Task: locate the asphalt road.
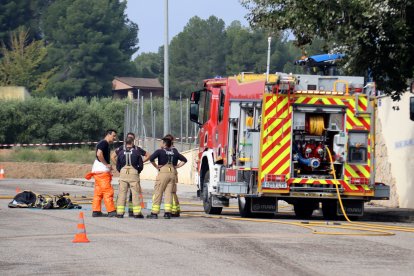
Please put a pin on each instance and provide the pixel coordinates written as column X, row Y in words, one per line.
column 40, row 242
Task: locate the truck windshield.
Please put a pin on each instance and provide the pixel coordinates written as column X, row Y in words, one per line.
column 204, row 110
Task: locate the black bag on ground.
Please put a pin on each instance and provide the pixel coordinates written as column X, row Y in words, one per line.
column 29, row 199
column 25, row 199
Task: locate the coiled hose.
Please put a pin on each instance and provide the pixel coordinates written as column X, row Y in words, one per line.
column 316, row 125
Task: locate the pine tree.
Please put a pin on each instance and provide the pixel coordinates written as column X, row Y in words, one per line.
column 21, row 63
column 92, row 41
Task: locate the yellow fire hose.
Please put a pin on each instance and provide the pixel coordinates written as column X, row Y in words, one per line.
column 364, row 229
column 360, row 224
column 307, row 226
column 316, row 125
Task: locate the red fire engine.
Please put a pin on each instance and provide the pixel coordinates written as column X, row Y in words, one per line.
column 262, row 140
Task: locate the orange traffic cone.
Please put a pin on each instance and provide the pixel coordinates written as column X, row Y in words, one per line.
column 2, row 175
column 17, row 190
column 81, row 235
column 142, row 201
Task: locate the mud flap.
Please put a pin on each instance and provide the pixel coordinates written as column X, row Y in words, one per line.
column 352, row 208
column 264, row 205
column 219, row 201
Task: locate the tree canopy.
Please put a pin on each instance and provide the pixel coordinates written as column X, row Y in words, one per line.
column 206, row 48
column 92, row 41
column 376, row 36
column 83, row 43
column 21, row 13
column 149, row 65
column 20, row 65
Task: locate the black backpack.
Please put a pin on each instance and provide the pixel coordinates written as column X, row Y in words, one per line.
column 124, row 157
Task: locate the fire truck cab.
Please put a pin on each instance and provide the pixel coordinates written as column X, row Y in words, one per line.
column 286, row 137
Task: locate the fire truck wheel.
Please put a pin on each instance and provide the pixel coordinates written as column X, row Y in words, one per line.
column 329, row 209
column 207, row 200
column 245, row 207
column 304, row 209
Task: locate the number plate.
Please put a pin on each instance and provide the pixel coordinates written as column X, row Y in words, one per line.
column 274, row 185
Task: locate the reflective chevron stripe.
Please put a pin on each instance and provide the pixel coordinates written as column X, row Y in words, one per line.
column 276, row 136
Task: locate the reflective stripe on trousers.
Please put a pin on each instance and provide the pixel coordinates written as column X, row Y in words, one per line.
column 175, row 208
column 129, row 178
column 163, row 185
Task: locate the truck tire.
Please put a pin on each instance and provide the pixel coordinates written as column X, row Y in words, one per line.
column 304, row 209
column 207, row 200
column 245, row 207
column 329, row 209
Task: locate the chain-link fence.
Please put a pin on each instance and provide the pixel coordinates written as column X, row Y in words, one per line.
column 144, row 117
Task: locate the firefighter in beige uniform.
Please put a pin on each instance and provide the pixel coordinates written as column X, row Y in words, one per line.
column 175, row 208
column 167, row 165
column 145, row 156
column 129, row 164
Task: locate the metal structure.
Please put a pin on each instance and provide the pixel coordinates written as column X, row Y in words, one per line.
column 148, row 127
column 263, row 141
column 166, row 73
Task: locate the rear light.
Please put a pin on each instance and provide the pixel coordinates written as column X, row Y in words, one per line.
column 359, row 180
column 273, row 181
column 275, row 178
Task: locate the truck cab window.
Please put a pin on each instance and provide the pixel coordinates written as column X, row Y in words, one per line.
column 221, row 106
column 204, row 110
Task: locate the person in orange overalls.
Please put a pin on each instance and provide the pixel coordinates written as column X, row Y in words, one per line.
column 101, row 171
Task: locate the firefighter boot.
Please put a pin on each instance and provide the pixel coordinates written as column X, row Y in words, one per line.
column 96, row 214
column 139, row 216
column 167, row 215
column 152, row 216
column 120, row 216
column 112, row 214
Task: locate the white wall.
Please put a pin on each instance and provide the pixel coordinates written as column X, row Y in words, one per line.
column 14, row 93
column 185, row 173
column 397, row 131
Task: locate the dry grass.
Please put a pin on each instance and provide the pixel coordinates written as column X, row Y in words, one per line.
column 44, row 155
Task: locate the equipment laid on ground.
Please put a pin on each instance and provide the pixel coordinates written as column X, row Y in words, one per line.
column 29, row 199
column 263, row 141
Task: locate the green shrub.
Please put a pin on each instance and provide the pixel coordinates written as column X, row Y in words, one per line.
column 44, row 120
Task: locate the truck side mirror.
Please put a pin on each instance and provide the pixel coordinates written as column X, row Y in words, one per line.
column 412, row 108
column 195, row 96
column 194, row 113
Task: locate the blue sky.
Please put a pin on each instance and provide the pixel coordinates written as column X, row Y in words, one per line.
column 149, row 15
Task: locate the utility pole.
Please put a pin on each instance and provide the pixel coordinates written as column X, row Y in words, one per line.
column 136, row 122
column 166, row 73
column 269, row 40
column 181, row 122
column 186, row 122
